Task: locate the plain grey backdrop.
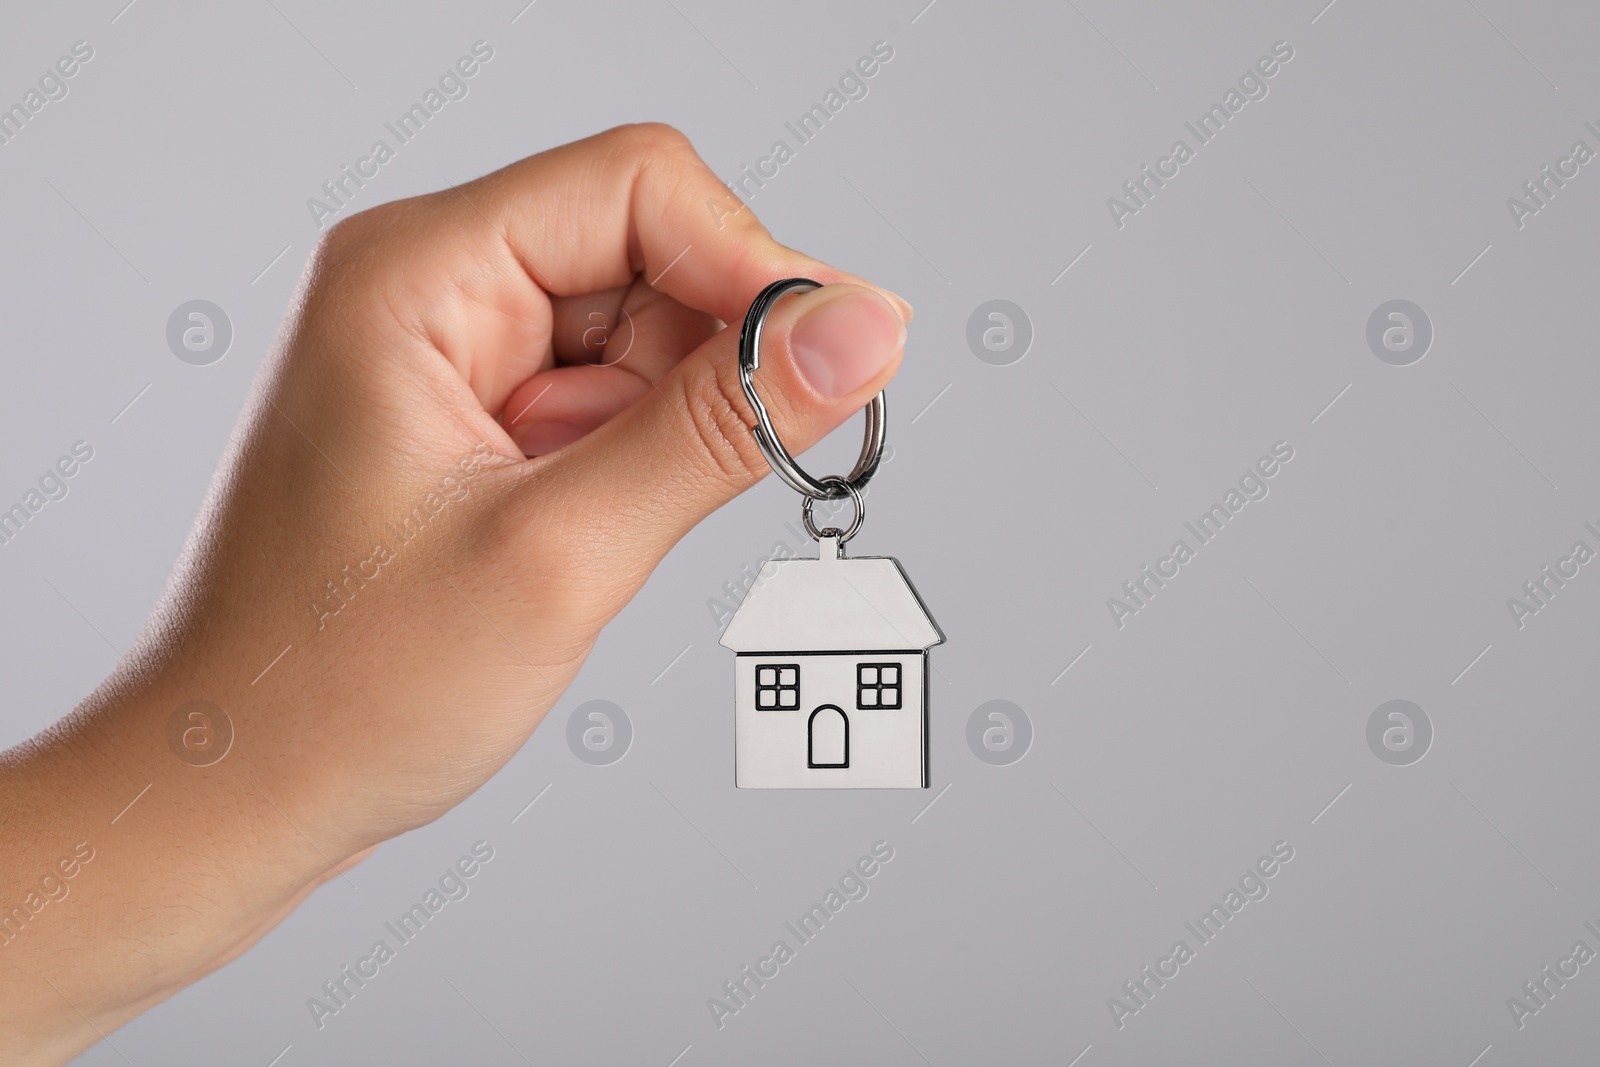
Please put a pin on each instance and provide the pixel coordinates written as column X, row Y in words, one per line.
column 1168, row 353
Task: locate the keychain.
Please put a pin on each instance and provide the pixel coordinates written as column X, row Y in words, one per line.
column 831, row 672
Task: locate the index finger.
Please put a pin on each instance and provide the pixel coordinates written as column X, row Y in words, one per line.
column 638, row 200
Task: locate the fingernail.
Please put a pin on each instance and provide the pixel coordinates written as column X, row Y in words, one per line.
column 540, row 438
column 842, row 345
column 903, row 306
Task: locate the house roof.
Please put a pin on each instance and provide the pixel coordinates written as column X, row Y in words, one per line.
column 828, row 604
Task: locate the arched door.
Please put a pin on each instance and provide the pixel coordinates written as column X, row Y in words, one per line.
column 828, row 737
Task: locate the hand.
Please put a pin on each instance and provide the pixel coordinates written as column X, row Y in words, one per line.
column 436, row 589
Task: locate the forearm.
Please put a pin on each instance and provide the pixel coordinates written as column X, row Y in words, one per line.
column 128, row 873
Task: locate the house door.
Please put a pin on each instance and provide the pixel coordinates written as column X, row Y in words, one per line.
column 828, row 738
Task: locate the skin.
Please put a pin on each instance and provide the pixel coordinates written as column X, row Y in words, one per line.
column 449, row 336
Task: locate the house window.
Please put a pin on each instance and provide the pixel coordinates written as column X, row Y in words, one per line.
column 878, row 685
column 778, row 687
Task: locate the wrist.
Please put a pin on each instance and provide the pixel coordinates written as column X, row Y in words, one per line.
column 131, row 868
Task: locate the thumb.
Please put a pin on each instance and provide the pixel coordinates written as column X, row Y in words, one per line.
column 623, row 495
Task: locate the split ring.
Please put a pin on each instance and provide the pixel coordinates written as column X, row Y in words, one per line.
column 783, row 464
column 837, row 484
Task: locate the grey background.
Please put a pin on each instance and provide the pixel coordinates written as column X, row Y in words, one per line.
column 1222, row 318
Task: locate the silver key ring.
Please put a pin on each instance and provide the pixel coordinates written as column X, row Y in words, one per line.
column 833, row 481
column 831, row 488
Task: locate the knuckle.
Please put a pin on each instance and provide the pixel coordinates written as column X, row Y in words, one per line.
column 652, row 138
column 352, row 236
column 717, row 409
column 349, row 254
column 354, row 284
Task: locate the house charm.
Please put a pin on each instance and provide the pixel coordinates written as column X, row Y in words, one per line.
column 831, row 677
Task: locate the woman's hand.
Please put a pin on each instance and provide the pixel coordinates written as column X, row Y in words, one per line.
column 383, row 593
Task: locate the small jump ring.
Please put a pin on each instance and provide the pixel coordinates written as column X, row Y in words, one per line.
column 783, row 464
column 838, row 484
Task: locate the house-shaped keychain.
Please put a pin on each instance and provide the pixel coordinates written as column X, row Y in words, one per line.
column 831, row 676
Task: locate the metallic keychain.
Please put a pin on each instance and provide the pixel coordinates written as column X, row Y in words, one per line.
column 831, row 676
